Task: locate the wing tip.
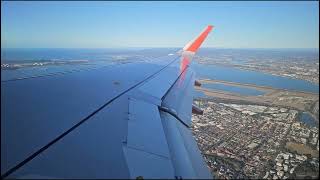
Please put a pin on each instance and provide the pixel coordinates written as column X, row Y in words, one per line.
column 194, row 46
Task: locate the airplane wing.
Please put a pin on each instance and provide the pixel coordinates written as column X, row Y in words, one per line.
column 122, row 121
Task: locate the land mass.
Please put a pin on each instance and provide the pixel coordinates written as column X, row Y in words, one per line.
column 299, row 100
column 257, row 137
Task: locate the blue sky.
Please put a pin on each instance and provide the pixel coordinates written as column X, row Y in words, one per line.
column 159, row 24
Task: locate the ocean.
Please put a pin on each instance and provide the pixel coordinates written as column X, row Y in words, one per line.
column 102, row 57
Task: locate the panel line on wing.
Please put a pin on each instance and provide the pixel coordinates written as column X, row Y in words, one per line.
column 167, row 110
column 131, row 147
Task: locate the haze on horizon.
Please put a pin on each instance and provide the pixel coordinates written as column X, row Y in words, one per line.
column 159, row 24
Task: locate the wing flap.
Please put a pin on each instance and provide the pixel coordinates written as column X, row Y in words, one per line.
column 180, row 97
column 145, row 128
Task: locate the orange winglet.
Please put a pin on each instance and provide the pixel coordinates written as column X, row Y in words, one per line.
column 194, row 46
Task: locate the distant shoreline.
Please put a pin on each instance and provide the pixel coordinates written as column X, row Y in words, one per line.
column 298, row 100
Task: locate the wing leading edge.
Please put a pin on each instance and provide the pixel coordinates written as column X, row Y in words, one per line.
column 124, row 134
